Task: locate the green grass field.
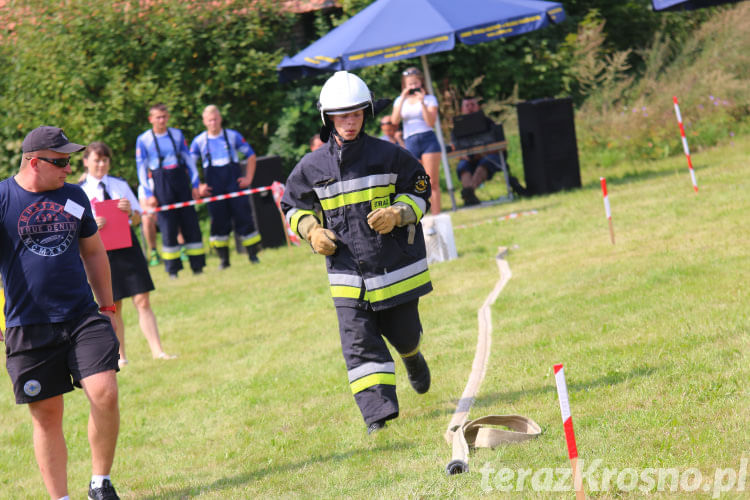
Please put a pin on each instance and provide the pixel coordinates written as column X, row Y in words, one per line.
column 653, row 332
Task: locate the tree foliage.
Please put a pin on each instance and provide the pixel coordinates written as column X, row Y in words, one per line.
column 94, row 68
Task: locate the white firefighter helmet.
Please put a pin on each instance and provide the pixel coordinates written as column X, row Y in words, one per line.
column 343, row 93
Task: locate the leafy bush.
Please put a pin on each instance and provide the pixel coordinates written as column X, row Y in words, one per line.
column 707, row 71
column 94, row 69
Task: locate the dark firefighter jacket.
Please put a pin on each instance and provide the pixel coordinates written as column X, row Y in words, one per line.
column 345, row 184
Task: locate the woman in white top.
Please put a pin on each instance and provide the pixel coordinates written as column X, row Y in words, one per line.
column 419, row 112
column 129, row 270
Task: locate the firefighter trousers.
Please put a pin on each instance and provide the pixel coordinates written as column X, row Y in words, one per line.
column 170, row 223
column 369, row 365
column 223, row 180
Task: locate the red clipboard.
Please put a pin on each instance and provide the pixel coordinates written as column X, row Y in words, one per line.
column 116, row 232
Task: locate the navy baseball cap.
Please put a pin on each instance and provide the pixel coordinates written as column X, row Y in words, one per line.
column 51, row 138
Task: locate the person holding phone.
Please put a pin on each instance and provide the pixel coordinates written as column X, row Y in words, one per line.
column 419, row 112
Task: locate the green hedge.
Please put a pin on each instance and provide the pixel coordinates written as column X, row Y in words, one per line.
column 94, row 68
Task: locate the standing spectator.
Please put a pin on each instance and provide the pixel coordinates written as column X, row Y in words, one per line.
column 148, row 228
column 315, row 142
column 130, row 276
column 162, row 156
column 372, row 195
column 419, row 112
column 218, row 151
column 51, row 258
column 391, row 133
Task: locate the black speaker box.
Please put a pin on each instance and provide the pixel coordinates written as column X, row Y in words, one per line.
column 267, row 216
column 548, row 145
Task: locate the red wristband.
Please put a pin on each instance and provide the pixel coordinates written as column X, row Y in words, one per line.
column 111, row 309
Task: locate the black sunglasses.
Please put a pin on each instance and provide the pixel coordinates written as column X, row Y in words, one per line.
column 411, row 72
column 386, row 123
column 58, row 162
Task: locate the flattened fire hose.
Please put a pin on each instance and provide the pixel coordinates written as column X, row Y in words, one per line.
column 463, row 433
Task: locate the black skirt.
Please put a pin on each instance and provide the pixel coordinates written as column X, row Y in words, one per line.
column 129, row 270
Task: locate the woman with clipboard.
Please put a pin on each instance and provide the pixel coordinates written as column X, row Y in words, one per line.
column 116, row 207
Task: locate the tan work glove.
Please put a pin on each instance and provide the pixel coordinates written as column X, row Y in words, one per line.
column 322, row 240
column 383, row 220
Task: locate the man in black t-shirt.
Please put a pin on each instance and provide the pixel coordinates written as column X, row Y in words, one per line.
column 51, row 257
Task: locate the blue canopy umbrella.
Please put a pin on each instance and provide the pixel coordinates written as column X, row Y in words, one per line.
column 687, row 4
column 391, row 30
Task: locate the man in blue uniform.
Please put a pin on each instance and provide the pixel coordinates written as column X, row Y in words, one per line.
column 161, row 155
column 359, row 201
column 50, row 252
column 218, row 149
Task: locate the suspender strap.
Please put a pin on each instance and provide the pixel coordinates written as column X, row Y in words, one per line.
column 229, row 148
column 177, row 154
column 156, row 145
column 174, row 147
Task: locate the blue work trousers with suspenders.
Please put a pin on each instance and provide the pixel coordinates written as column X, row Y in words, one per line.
column 172, row 185
column 223, row 180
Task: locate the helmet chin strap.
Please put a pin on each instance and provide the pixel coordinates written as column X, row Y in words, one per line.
column 335, row 133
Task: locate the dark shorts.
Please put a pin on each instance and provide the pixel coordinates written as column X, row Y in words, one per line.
column 48, row 360
column 419, row 144
column 130, row 275
column 491, row 162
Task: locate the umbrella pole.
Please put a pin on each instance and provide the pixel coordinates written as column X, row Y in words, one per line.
column 439, row 133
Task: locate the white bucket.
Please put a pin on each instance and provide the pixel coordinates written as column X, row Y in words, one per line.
column 438, row 238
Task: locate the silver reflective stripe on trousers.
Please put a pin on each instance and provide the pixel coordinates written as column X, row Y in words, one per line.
column 370, row 368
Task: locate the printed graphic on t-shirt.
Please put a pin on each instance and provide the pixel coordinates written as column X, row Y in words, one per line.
column 46, row 228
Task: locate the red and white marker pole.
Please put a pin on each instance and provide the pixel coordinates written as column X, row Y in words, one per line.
column 685, row 144
column 570, row 438
column 607, row 210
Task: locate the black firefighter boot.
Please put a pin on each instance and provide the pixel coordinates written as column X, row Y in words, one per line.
column 223, row 257
column 252, row 253
column 419, row 372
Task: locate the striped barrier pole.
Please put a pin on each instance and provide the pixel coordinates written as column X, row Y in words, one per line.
column 570, row 438
column 607, row 210
column 277, row 189
column 684, row 143
column 207, row 199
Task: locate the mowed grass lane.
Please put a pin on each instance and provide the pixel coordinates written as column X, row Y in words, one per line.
column 653, row 332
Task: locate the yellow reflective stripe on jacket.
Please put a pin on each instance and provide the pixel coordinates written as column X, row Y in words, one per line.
column 294, row 216
column 353, row 185
column 345, row 292
column 395, row 276
column 371, row 380
column 357, row 197
column 399, row 288
column 411, row 201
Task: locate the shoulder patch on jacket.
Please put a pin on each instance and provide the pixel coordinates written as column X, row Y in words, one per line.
column 420, row 186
